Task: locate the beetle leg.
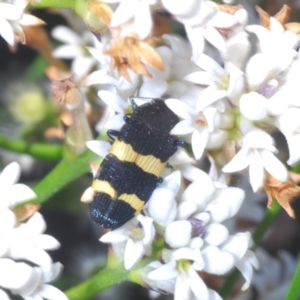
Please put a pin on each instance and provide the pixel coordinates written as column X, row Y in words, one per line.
column 112, row 134
column 159, row 181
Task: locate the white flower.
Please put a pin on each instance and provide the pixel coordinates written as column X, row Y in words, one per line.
column 24, row 241
column 118, row 105
column 74, row 48
column 204, row 21
column 108, row 78
column 289, row 125
column 162, row 206
column 227, row 82
column 180, row 269
column 275, row 41
column 30, row 282
column 139, row 10
column 204, row 126
column 12, row 18
column 170, row 81
column 257, row 154
column 13, row 193
column 132, row 240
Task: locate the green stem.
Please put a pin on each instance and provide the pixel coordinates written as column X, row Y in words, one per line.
column 104, row 279
column 53, row 3
column 44, row 151
column 65, row 172
column 294, row 289
column 258, row 235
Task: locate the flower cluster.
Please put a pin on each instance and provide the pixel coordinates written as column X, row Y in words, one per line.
column 25, row 266
column 229, row 104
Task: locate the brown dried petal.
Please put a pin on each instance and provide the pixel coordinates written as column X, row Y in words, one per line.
column 264, row 17
column 283, row 15
column 286, row 193
column 26, row 211
column 230, row 9
column 150, row 55
column 294, row 27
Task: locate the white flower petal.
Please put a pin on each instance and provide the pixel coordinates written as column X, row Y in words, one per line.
column 180, row 108
column 188, row 254
column 67, row 51
column 10, row 11
column 82, row 65
column 133, row 252
column 199, row 142
column 179, row 8
column 223, row 20
column 213, row 295
column 197, row 285
column 254, row 77
column 36, row 224
column 101, row 148
column 182, row 289
column 200, row 77
column 256, row 174
column 40, row 258
column 253, row 106
column 257, row 138
column 7, row 221
column 66, row 35
column 293, row 144
column 239, row 162
column 166, row 271
column 237, row 244
column 52, row 293
column 262, row 33
column 162, row 206
column 10, row 175
column 153, row 88
column 217, row 139
column 277, row 104
column 23, row 193
column 217, row 261
column 116, row 122
column 213, row 36
column 245, row 266
column 183, row 127
column 210, row 65
column 14, row 275
column 226, row 204
column 113, row 100
column 30, row 20
column 178, row 233
column 209, row 96
column 6, row 31
column 115, row 236
column 186, row 209
column 3, row 295
column 216, row 234
column 274, row 166
column 47, row 242
column 123, row 13
column 143, row 19
column 199, row 192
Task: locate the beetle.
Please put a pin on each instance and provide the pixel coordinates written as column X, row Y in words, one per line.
column 131, row 170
